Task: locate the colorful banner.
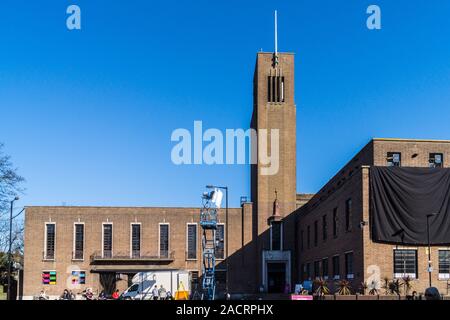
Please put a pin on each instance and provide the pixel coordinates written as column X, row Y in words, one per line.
column 78, row 277
column 49, row 277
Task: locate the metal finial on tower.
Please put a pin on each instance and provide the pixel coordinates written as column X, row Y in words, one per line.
column 276, row 33
column 275, row 54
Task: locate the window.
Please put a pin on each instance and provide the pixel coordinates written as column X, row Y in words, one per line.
column 348, row 215
column 308, row 237
column 107, row 240
column 436, row 160
column 191, row 241
column 194, row 280
column 324, row 228
column 163, row 240
column 79, row 241
column 50, row 229
column 336, row 270
column 405, row 263
column 220, row 241
column 325, row 268
column 49, row 277
column 308, row 271
column 276, row 234
column 335, row 222
column 302, row 240
column 275, row 89
column 134, row 287
column 444, row 264
column 316, row 233
column 135, row 240
column 349, row 265
column 394, row 159
column 316, row 269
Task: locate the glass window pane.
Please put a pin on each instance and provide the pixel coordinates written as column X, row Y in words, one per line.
column 107, row 240
column 164, row 240
column 220, row 241
column 136, row 240
column 192, row 241
column 444, row 264
column 79, row 241
column 50, row 241
column 405, row 263
column 276, row 235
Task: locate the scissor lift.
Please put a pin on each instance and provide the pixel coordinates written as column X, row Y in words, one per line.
column 208, row 222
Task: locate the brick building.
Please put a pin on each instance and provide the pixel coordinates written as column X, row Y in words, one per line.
column 276, row 240
column 335, row 226
column 117, row 242
column 89, row 244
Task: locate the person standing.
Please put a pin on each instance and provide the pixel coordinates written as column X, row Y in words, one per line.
column 155, row 292
column 162, row 293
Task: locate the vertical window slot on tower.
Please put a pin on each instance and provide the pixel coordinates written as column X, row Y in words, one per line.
column 273, row 89
column 278, row 89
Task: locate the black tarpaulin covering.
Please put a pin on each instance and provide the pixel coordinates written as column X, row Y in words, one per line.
column 401, row 198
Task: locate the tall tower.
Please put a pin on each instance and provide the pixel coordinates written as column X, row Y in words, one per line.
column 274, row 109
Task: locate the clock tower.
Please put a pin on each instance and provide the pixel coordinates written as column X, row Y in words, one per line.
column 274, row 193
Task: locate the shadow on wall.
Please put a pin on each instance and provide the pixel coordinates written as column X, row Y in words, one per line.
column 245, row 266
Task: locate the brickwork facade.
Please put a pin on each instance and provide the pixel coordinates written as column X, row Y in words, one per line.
column 414, row 153
column 250, row 247
column 275, row 241
column 370, row 261
column 274, row 109
column 93, row 218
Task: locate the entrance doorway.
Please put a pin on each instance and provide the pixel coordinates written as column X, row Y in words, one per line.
column 276, row 277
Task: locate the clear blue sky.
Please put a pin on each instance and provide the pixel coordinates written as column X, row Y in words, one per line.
column 87, row 115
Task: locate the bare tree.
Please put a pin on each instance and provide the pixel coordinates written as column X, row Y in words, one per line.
column 10, row 186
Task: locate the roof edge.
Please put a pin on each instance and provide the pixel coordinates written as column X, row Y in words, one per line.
column 410, row 140
column 120, row 207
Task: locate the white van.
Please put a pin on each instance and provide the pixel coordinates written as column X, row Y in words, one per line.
column 144, row 282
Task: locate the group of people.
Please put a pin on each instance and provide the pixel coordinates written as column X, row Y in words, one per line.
column 156, row 294
column 87, row 294
column 161, row 293
column 67, row 295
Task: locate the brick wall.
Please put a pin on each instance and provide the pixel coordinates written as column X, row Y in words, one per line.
column 282, row 117
column 345, row 185
column 93, row 217
column 371, row 260
column 379, row 257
